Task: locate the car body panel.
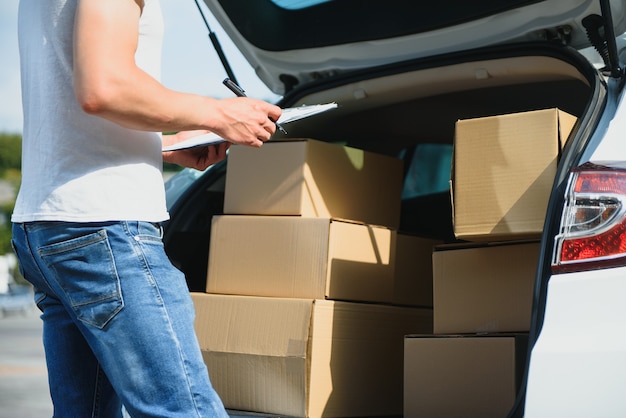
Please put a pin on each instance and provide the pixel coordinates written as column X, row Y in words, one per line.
column 578, row 365
column 537, row 21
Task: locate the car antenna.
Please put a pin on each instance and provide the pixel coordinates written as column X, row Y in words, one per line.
column 217, row 46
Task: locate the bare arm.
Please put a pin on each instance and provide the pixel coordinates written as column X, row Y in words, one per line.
column 109, row 84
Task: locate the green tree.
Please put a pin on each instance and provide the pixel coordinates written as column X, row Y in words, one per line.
column 10, row 152
column 5, row 228
column 10, row 171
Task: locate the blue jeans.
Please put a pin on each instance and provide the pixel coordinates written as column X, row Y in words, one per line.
column 118, row 321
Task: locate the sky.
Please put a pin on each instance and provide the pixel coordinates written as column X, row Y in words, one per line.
column 189, row 62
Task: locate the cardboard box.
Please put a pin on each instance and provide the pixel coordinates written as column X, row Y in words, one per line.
column 314, row 179
column 288, row 256
column 462, row 376
column 305, row 357
column 484, row 288
column 503, row 171
column 413, row 272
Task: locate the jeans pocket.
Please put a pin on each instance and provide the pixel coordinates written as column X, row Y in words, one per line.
column 85, row 270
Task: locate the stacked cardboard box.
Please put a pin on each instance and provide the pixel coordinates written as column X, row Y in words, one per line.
column 306, row 357
column 482, row 305
column 306, row 307
column 463, row 375
column 503, row 170
column 314, row 179
column 483, row 288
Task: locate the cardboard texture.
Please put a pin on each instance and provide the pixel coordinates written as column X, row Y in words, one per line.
column 305, row 357
column 462, row 376
column 314, row 179
column 413, row 273
column 483, row 288
column 287, row 256
column 503, row 171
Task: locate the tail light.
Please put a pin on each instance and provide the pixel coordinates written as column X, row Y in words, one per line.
column 593, row 227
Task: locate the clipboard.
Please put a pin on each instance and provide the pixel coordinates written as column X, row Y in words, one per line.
column 289, row 114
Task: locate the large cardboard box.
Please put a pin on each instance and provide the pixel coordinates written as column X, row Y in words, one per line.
column 314, row 179
column 305, row 357
column 503, row 171
column 462, row 376
column 413, row 272
column 483, row 288
column 289, row 256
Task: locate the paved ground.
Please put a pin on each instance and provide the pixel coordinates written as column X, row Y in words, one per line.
column 23, row 381
column 23, row 377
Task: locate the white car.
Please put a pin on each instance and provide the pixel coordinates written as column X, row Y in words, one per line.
column 403, row 72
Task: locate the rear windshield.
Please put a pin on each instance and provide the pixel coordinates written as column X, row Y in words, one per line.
column 280, row 25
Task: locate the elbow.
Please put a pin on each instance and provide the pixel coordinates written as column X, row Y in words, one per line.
column 93, row 100
column 92, row 104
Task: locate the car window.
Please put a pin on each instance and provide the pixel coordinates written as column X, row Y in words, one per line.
column 176, row 185
column 297, row 4
column 283, row 25
column 428, row 170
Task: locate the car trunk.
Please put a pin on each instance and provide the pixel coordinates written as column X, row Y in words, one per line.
column 394, row 110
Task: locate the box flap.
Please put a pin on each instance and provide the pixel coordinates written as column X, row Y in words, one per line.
column 361, row 261
column 292, row 248
column 248, row 340
column 360, row 172
column 357, row 351
column 249, row 325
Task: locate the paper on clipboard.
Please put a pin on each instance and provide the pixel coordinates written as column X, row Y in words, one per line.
column 289, row 114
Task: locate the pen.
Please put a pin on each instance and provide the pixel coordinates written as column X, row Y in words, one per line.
column 240, row 93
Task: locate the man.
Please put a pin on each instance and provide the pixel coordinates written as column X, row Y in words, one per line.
column 118, row 318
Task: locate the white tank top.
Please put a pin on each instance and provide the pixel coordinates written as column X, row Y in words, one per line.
column 78, row 167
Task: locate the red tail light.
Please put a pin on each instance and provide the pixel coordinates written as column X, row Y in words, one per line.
column 593, row 227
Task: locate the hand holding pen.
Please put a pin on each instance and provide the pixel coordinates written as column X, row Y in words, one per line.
column 239, row 92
